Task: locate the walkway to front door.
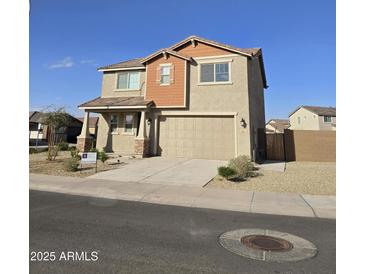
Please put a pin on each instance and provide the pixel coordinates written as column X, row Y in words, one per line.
column 161, row 170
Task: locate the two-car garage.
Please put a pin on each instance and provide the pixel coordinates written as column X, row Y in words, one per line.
column 205, row 137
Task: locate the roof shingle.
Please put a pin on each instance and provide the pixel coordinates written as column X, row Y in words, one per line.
column 117, row 101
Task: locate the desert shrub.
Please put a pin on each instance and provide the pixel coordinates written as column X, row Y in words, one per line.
column 226, row 172
column 72, row 164
column 63, row 146
column 37, row 150
column 102, row 156
column 243, row 166
column 93, row 149
column 74, row 152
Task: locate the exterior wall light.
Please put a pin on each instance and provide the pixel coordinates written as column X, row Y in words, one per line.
column 149, row 120
column 243, row 123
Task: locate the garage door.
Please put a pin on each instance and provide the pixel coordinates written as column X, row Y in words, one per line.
column 205, row 137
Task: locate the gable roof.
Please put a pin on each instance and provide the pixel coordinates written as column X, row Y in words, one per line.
column 113, row 102
column 129, row 64
column 138, row 63
column 321, row 111
column 35, row 116
column 169, row 51
column 279, row 124
column 93, row 121
column 38, row 117
column 250, row 52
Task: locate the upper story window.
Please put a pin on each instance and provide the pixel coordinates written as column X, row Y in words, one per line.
column 113, row 123
column 128, row 81
column 165, row 74
column 215, row 72
column 298, row 120
column 327, row 119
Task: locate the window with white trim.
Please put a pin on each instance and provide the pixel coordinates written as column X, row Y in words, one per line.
column 298, row 120
column 327, row 119
column 113, row 123
column 214, row 72
column 128, row 81
column 128, row 123
column 165, row 74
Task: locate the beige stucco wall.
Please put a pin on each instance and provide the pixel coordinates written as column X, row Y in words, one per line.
column 119, row 142
column 327, row 126
column 256, row 102
column 308, row 120
column 216, row 98
column 109, row 85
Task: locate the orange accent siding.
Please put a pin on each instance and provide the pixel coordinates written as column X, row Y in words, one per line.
column 169, row 95
column 201, row 50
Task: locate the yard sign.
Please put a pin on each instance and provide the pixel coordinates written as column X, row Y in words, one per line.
column 88, row 158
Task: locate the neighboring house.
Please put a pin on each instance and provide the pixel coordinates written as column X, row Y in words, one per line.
column 39, row 130
column 196, row 99
column 313, row 118
column 93, row 125
column 277, row 125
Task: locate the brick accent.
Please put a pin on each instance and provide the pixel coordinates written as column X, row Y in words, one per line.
column 141, row 147
column 84, row 144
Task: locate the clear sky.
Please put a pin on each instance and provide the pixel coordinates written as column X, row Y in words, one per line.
column 69, row 39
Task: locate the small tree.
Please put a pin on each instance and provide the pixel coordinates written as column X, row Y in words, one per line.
column 55, row 120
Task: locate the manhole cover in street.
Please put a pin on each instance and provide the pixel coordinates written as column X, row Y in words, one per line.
column 267, row 245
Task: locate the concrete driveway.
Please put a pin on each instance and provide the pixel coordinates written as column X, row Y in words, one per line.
column 168, row 171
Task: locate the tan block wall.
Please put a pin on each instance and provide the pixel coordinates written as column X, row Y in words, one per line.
column 109, row 85
column 310, row 145
column 166, row 95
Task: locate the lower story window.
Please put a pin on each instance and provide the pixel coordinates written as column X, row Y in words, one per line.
column 128, row 123
column 113, row 123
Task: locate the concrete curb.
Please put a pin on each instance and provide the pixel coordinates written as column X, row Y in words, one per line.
column 195, row 197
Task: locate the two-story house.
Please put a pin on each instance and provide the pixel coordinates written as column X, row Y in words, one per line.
column 313, row 118
column 197, row 99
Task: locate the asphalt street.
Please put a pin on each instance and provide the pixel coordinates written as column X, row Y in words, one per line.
column 135, row 237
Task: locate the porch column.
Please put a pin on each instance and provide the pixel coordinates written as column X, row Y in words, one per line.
column 142, row 126
column 141, row 142
column 84, row 141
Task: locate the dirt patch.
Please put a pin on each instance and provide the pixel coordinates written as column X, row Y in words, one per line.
column 315, row 178
column 38, row 163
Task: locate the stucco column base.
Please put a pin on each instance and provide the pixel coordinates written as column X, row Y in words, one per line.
column 141, row 146
column 84, row 144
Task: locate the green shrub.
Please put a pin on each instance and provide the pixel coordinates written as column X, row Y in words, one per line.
column 243, row 166
column 37, row 150
column 72, row 164
column 63, row 146
column 74, row 152
column 93, row 149
column 102, row 156
column 226, row 172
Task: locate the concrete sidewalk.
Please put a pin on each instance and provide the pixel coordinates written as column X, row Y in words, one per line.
column 234, row 200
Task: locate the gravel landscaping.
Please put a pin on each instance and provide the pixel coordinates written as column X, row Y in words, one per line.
column 38, row 163
column 315, row 178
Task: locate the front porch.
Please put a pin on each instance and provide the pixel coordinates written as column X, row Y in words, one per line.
column 124, row 126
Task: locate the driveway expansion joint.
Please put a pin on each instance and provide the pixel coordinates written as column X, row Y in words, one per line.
column 309, row 205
